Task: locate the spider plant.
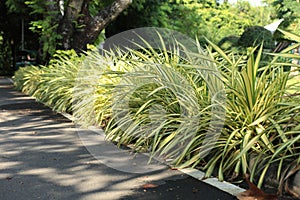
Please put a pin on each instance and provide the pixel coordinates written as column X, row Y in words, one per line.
column 52, row 84
column 27, row 78
column 164, row 103
column 171, row 102
column 262, row 122
column 98, row 75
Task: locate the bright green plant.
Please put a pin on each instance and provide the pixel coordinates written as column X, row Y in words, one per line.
column 163, row 102
column 27, row 79
column 57, row 82
column 157, row 104
column 52, row 84
column 261, row 127
column 92, row 91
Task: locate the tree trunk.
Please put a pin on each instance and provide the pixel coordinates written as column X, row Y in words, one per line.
column 68, row 23
column 78, row 28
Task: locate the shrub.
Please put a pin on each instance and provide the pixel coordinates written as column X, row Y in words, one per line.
column 164, row 103
column 260, row 128
column 255, row 35
column 52, row 84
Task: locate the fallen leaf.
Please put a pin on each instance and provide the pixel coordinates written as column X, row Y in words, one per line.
column 149, row 185
column 173, row 168
column 194, row 190
column 254, row 193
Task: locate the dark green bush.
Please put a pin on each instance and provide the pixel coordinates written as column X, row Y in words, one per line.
column 228, row 42
column 255, row 35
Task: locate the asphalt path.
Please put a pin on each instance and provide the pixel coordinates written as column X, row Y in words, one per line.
column 43, row 156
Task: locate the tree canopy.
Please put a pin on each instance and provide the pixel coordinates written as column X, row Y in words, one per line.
column 68, row 24
column 60, row 24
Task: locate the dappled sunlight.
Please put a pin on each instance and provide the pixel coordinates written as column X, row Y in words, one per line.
column 8, row 164
column 294, row 84
column 42, row 157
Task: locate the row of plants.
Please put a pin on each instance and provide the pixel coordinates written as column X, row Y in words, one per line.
column 225, row 113
column 51, row 84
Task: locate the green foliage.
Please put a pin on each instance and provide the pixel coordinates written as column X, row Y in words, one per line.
column 256, row 133
column 289, row 10
column 52, row 84
column 204, row 19
column 213, row 23
column 162, row 103
column 45, row 27
column 256, row 35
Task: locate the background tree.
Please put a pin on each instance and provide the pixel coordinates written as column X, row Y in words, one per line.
column 289, row 10
column 12, row 16
column 80, row 26
column 205, row 19
column 142, row 13
column 70, row 24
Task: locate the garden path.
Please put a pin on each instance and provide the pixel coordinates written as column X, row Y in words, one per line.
column 42, row 157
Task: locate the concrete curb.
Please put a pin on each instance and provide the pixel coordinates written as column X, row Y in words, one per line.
column 197, row 174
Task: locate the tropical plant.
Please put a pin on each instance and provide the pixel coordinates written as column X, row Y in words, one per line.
column 27, row 78
column 162, row 104
column 261, row 122
column 261, row 127
column 171, row 102
column 52, row 84
column 95, row 80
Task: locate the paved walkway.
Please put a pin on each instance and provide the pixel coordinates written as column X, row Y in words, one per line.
column 42, row 156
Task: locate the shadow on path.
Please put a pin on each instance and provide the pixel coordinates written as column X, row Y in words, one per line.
column 42, row 157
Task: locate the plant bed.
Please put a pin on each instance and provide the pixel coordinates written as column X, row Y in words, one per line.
column 161, row 103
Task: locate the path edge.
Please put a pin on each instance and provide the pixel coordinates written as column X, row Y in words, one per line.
column 195, row 173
